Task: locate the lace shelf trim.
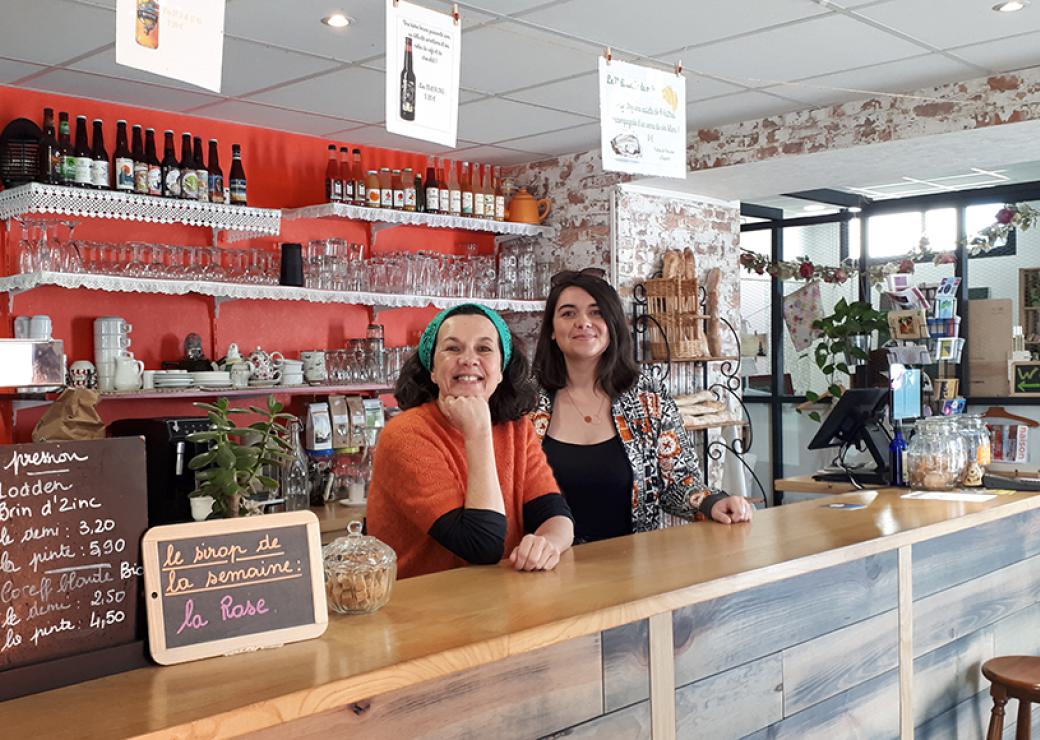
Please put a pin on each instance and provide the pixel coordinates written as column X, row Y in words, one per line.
column 393, row 217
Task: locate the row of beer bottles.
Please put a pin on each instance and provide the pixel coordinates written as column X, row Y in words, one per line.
column 137, row 169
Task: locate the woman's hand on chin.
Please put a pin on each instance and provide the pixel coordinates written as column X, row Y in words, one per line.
column 535, row 553
column 732, row 509
column 471, row 415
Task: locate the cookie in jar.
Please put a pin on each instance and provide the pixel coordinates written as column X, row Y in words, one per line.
column 359, row 572
column 936, row 455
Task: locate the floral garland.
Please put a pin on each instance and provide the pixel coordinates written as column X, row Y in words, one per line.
column 1011, row 216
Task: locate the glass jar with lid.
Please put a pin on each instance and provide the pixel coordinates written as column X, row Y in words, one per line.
column 978, row 448
column 359, row 572
column 937, row 454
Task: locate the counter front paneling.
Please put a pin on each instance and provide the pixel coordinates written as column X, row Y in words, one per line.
column 809, row 622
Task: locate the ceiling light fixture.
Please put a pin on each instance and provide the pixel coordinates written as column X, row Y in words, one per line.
column 1010, row 6
column 815, row 207
column 855, row 209
column 336, row 20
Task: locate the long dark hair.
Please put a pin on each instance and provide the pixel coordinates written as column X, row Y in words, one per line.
column 514, row 397
column 617, row 371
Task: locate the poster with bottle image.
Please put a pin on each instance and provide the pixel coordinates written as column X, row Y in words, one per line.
column 180, row 39
column 642, row 118
column 423, row 52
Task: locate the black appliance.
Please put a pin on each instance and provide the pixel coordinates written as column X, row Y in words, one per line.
column 168, row 453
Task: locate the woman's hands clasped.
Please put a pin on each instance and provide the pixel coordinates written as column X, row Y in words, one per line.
column 471, row 415
column 731, row 510
column 535, row 553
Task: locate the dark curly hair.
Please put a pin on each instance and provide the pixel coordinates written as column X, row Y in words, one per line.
column 513, row 399
column 617, row 371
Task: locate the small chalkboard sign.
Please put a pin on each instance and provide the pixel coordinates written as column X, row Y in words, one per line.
column 232, row 585
column 1025, row 378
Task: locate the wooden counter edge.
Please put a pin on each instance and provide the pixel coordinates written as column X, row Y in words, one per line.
column 338, row 694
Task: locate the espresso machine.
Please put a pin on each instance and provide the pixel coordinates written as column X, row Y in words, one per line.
column 168, row 453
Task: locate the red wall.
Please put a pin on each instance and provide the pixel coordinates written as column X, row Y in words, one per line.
column 284, row 170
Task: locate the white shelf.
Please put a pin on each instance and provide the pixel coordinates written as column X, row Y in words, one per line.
column 35, row 198
column 232, row 291
column 398, row 218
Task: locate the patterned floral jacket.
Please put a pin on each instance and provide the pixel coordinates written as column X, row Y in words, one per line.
column 666, row 477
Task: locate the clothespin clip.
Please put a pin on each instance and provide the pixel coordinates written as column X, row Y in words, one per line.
column 609, row 56
column 678, row 68
column 456, row 16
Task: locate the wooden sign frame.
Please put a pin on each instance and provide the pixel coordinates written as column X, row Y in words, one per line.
column 1012, row 371
column 166, row 655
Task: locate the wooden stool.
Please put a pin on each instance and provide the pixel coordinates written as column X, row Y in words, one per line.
column 1012, row 677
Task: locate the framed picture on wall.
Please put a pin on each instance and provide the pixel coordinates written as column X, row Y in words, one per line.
column 905, row 325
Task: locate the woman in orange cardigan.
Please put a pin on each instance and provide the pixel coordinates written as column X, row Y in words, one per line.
column 460, row 477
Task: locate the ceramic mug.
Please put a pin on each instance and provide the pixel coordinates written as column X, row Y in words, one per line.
column 40, row 327
column 148, row 379
column 314, row 365
column 21, row 327
column 82, row 374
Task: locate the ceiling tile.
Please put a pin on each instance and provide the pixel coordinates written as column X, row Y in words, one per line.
column 507, row 56
column 84, row 85
column 53, row 32
column 745, row 106
column 1006, row 55
column 491, row 120
column 904, row 75
column 268, row 116
column 11, row 69
column 960, row 22
column 353, row 93
column 680, row 24
column 514, row 7
column 837, row 43
column 569, row 141
column 497, row 155
column 379, row 136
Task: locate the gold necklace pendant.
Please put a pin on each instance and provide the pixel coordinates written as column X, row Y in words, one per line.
column 585, row 417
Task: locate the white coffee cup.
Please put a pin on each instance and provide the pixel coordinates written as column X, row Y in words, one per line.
column 314, row 365
column 21, row 327
column 40, row 327
column 148, row 379
column 112, row 341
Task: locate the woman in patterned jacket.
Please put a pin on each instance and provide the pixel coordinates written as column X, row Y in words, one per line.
column 613, row 436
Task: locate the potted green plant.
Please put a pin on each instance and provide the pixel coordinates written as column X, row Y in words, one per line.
column 844, row 343
column 231, row 470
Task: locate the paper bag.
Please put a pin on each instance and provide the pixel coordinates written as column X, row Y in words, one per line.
column 72, row 417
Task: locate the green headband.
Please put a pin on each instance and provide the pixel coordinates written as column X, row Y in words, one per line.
column 429, row 336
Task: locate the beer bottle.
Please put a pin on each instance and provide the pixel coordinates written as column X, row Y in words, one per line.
column 500, row 196
column 408, row 185
column 489, row 193
column 420, row 194
column 237, row 176
column 189, row 179
column 84, row 157
column 140, row 163
column 68, row 159
column 346, row 179
column 49, row 166
column 360, row 187
column 201, row 173
column 444, row 196
column 171, row 170
column 432, row 191
column 333, row 189
column 408, row 83
column 100, row 174
column 478, row 193
column 123, row 160
column 155, row 178
column 466, row 186
column 216, row 175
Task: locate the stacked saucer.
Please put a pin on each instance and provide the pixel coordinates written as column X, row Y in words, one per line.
column 212, row 379
column 174, row 379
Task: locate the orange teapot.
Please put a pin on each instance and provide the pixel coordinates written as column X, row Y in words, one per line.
column 526, row 209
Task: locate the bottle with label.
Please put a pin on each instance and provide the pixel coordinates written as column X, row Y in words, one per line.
column 346, row 179
column 201, row 173
column 68, row 159
column 333, row 185
column 295, row 488
column 237, row 177
column 189, row 179
column 432, row 189
column 140, row 163
column 123, row 160
column 478, row 193
column 386, row 188
column 216, row 175
column 500, row 196
column 100, row 173
column 466, row 188
column 49, row 166
column 898, row 454
column 408, row 83
column 373, row 189
column 171, row 169
column 408, row 186
column 420, row 194
column 83, row 176
column 456, row 192
column 155, row 179
column 360, row 185
column 489, row 193
column 444, row 196
column 397, row 184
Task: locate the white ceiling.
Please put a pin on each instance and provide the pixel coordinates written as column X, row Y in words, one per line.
column 528, row 70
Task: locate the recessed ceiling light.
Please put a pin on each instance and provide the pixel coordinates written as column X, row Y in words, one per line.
column 1010, row 6
column 336, row 20
column 855, row 209
column 815, row 207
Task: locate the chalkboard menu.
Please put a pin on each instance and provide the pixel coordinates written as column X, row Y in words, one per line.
column 1025, row 378
column 219, row 587
column 71, row 519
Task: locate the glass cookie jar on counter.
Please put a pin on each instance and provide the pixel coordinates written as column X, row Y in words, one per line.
column 359, row 572
column 937, row 454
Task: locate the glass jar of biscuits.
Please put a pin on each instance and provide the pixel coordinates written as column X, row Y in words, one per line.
column 936, row 455
column 359, row 572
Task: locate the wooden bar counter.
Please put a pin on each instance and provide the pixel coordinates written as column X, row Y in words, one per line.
column 809, row 622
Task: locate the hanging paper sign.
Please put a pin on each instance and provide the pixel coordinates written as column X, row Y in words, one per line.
column 423, row 52
column 642, row 114
column 181, row 39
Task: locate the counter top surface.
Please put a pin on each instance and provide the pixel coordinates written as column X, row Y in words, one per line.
column 446, row 622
